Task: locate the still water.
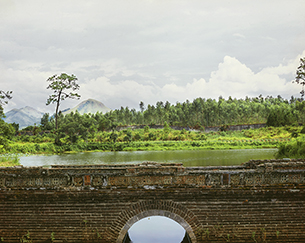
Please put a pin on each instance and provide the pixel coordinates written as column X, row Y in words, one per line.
column 187, row 157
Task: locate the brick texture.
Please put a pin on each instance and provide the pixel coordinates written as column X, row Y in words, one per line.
column 260, row 201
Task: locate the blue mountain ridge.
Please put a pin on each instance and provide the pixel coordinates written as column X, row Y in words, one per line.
column 28, row 116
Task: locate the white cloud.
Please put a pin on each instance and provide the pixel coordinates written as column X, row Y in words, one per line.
column 238, row 35
column 235, row 79
column 127, row 51
column 124, row 93
column 232, row 78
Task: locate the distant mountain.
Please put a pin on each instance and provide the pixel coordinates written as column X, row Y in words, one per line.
column 89, row 106
column 26, row 116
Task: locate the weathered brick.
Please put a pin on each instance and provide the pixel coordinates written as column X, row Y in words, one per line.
column 74, row 202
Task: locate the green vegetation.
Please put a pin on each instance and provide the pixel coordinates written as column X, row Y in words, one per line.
column 52, row 237
column 155, row 139
column 6, row 130
column 4, row 96
column 26, row 238
column 293, row 149
column 198, row 114
column 210, row 112
column 60, row 84
column 9, row 160
column 111, row 132
column 300, row 78
column 100, row 132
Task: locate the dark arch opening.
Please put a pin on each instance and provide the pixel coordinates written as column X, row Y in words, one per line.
column 186, row 239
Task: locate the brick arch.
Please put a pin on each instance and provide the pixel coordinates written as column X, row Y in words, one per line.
column 166, row 208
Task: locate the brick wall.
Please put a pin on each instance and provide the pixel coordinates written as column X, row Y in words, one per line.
column 260, row 201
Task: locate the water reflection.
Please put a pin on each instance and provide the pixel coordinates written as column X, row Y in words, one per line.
column 156, row 229
column 187, row 157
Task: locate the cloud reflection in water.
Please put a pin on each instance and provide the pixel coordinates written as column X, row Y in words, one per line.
column 156, row 229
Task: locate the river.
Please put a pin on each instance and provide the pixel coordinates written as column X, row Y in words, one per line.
column 189, row 158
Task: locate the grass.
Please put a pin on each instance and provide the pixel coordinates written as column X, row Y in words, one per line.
column 200, row 145
column 292, row 149
column 158, row 139
column 9, row 160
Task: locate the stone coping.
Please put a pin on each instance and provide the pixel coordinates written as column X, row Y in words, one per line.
column 154, row 175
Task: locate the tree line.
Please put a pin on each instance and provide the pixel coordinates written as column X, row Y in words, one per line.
column 197, row 114
column 200, row 113
column 203, row 112
column 6, row 130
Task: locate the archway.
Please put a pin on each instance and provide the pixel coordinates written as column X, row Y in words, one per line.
column 156, row 229
column 144, row 209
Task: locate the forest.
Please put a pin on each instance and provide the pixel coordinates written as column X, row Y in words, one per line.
column 284, row 121
column 198, row 114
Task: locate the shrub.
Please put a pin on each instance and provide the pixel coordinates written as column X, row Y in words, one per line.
column 292, row 149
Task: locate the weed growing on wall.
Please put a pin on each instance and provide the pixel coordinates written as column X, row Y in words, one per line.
column 26, row 238
column 52, row 238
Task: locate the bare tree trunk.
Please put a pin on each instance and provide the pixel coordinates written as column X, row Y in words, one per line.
column 56, row 112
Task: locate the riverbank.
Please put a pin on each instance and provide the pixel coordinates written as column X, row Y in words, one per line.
column 208, row 144
column 293, row 149
column 9, row 160
column 161, row 139
column 51, row 148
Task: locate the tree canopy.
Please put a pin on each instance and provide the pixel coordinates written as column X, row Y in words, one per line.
column 61, row 86
column 4, row 96
column 6, row 130
column 300, row 75
column 197, row 114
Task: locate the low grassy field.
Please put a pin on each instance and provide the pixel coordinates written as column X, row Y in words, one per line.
column 9, row 160
column 161, row 139
column 289, row 140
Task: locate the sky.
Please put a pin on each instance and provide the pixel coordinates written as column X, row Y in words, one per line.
column 127, row 51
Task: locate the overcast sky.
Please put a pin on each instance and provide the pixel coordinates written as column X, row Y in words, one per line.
column 127, row 51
